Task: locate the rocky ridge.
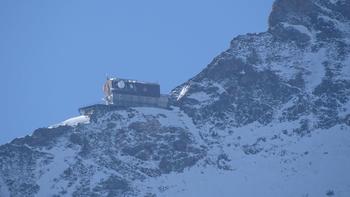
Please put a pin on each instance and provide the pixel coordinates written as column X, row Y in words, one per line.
column 272, row 112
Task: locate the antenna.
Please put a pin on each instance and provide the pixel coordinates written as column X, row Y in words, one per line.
column 107, row 76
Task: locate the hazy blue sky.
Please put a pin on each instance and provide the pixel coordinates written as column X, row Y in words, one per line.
column 54, row 55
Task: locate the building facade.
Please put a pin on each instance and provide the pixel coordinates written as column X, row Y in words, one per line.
column 132, row 93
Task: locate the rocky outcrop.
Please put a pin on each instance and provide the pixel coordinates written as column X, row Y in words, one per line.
column 294, row 71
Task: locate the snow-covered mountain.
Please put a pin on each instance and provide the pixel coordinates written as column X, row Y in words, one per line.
column 270, row 116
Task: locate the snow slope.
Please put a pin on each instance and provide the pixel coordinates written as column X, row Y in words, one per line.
column 270, row 116
column 311, row 166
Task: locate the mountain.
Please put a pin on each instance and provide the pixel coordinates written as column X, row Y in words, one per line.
column 270, row 116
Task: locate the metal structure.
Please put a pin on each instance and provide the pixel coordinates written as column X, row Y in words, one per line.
column 132, row 93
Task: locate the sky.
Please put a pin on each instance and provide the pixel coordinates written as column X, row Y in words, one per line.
column 55, row 55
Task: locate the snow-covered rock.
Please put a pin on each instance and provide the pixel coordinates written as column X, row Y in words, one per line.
column 83, row 119
column 270, row 116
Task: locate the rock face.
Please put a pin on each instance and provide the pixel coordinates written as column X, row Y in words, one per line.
column 325, row 19
column 271, row 113
column 300, row 64
column 103, row 157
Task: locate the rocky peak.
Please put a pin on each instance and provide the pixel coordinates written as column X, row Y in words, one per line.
column 309, row 20
column 296, row 66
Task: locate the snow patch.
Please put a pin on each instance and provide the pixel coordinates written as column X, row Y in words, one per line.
column 184, row 90
column 218, row 86
column 346, row 70
column 54, row 169
column 334, row 1
column 314, row 68
column 301, row 28
column 73, row 121
column 200, row 96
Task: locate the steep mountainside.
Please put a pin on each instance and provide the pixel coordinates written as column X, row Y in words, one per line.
column 270, row 116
